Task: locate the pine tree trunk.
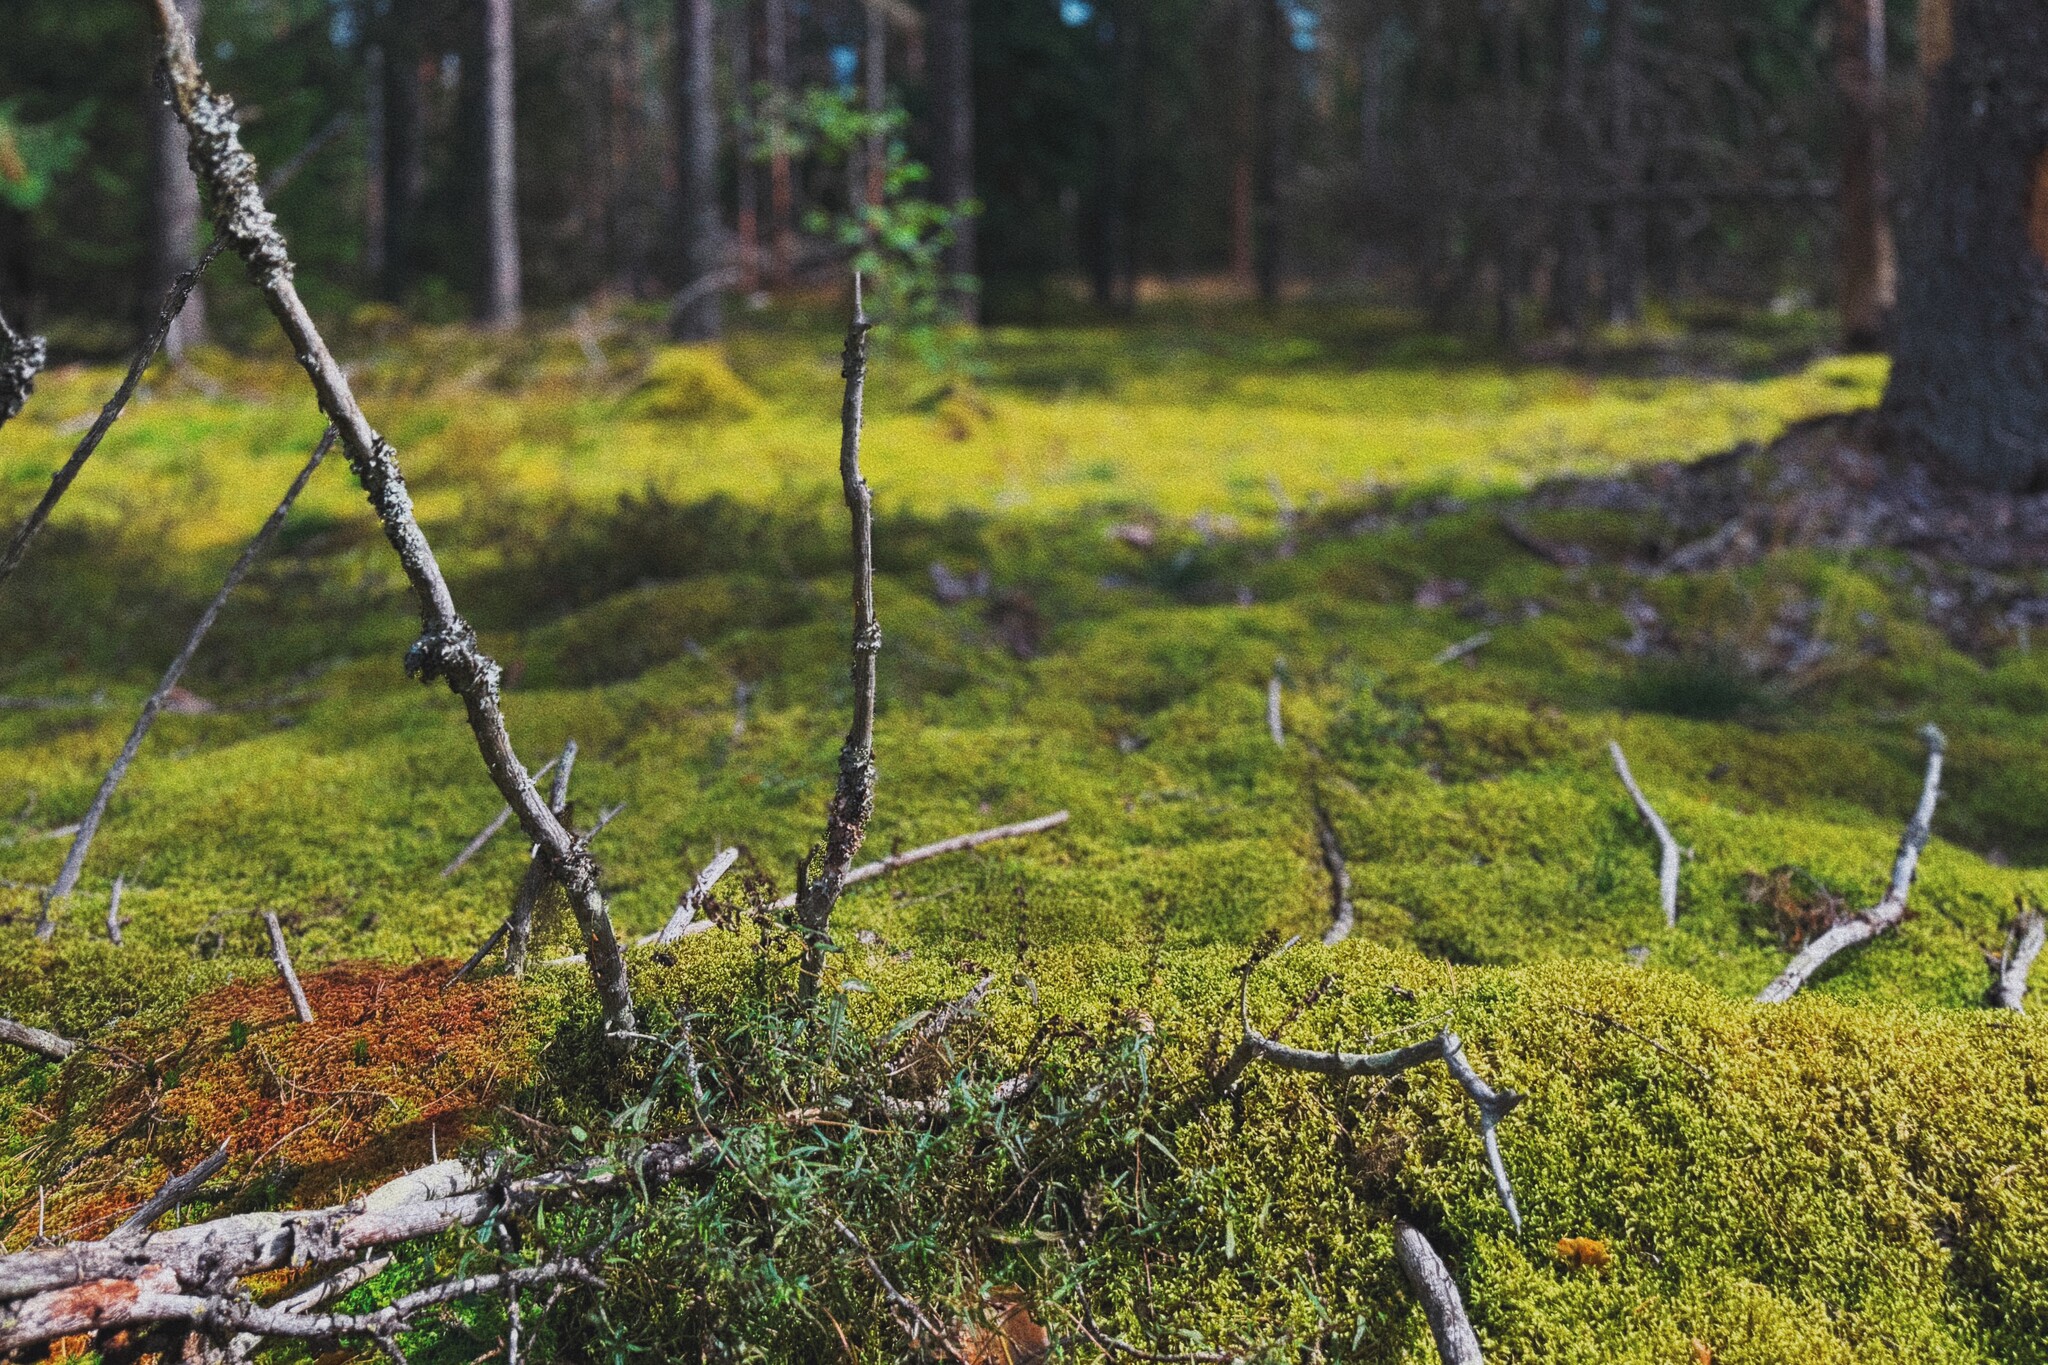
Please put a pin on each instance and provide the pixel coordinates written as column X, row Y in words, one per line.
column 373, row 163
column 1574, row 219
column 781, row 184
column 875, row 71
column 501, row 193
column 174, row 214
column 1270, row 152
column 952, row 57
column 703, row 255
column 746, row 172
column 1969, row 382
column 405, row 146
column 1627, row 224
column 1869, row 270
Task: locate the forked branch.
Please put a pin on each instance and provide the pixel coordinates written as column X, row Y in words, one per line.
column 447, row 647
column 1887, row 913
column 1667, row 874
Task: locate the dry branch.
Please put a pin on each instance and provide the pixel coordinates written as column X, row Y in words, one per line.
column 2023, row 943
column 490, row 831
column 1887, row 912
column 171, row 1194
column 1343, row 917
column 39, row 1041
column 447, row 647
column 1471, row 644
column 853, row 799
column 114, row 910
column 88, row 825
column 1274, row 727
column 22, row 358
column 693, row 899
column 1667, row 874
column 283, row 958
column 1493, row 1105
column 1430, row 1278
column 959, row 843
column 519, row 928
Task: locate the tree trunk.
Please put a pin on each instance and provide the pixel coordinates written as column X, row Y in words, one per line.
column 781, row 185
column 405, row 146
column 703, row 254
column 746, row 171
column 373, row 163
column 1574, row 219
column 174, row 214
column 501, row 197
column 1934, row 37
column 1869, row 270
column 1969, row 382
column 1627, row 224
column 875, row 72
column 1269, row 152
column 952, row 58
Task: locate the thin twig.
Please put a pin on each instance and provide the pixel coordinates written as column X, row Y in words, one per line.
column 1471, row 644
column 1886, row 913
column 1430, row 1278
column 171, row 1194
column 114, row 910
column 283, row 958
column 853, row 798
column 1609, row 1021
column 497, row 936
column 1343, row 917
column 1667, row 876
column 693, row 899
column 490, row 831
column 1273, row 722
column 88, row 826
column 2023, row 943
column 39, row 1041
column 924, row 1334
column 447, row 648
column 519, row 933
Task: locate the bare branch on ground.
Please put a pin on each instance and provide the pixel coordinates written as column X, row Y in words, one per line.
column 1343, row 917
column 283, row 958
column 2023, row 943
column 1667, row 874
column 39, row 1041
column 1430, row 1278
column 172, row 1194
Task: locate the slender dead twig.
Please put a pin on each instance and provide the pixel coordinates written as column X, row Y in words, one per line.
column 853, row 799
column 1609, row 1021
column 1471, row 644
column 2023, row 944
column 283, row 958
column 114, row 910
column 1886, row 913
column 1446, row 1047
column 22, row 358
column 959, row 843
column 321, row 1291
column 89, row 824
column 924, row 1334
column 39, row 1041
column 171, row 1194
column 1343, row 917
column 1667, row 874
column 1430, row 1278
column 1274, row 727
column 490, row 831
column 519, row 932
column 446, row 649
column 693, row 899
column 477, row 957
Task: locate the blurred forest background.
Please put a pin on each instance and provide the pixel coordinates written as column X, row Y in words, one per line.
column 1530, row 170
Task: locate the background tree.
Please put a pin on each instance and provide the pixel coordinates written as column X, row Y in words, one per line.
column 174, row 212
column 953, row 93
column 697, row 315
column 1869, row 270
column 501, row 196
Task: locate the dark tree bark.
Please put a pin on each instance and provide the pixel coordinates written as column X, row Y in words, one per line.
column 1969, row 382
column 701, row 318
column 952, row 58
column 1934, row 38
column 173, row 214
column 1574, row 219
column 1627, row 223
column 1269, row 151
column 405, row 145
column 1115, row 275
column 746, row 173
column 501, row 183
column 1869, row 270
column 873, row 184
column 781, row 184
column 373, row 163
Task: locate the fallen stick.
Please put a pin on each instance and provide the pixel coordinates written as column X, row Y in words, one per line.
column 39, row 1041
column 283, row 959
column 1886, row 913
column 171, row 1194
column 1430, row 1278
column 693, row 899
column 2023, row 943
column 244, row 1345
column 446, row 649
column 1343, row 917
column 505, row 925
column 1471, row 644
column 1446, row 1047
column 88, row 826
column 490, row 831
column 1667, row 874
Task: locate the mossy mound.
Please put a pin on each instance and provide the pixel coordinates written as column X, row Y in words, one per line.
column 692, row 384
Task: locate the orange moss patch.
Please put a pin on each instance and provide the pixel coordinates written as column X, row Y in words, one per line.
column 310, row 1111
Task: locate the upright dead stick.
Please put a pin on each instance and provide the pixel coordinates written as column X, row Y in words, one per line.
column 1667, row 875
column 1343, row 917
column 22, row 358
column 39, row 1041
column 1430, row 1278
column 1887, row 912
column 114, row 910
column 89, row 824
column 1274, row 727
column 283, row 958
column 171, row 1194
column 490, row 831
column 853, row 800
column 519, row 928
column 2023, row 943
column 446, row 648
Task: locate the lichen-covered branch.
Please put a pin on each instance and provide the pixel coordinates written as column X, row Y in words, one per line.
column 1667, row 874
column 693, row 899
column 1446, row 1047
column 1886, row 913
column 853, row 799
column 89, row 823
column 1430, row 1278
column 447, row 646
column 22, row 358
column 2023, row 943
column 42, row 1042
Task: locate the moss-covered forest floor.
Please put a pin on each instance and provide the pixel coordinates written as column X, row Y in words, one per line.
column 1093, row 558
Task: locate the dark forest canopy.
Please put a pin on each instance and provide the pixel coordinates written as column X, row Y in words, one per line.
column 1505, row 162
